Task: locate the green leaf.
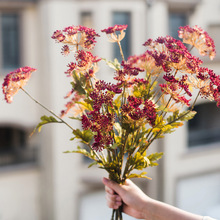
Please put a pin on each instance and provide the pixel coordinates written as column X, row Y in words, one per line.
column 78, row 87
column 46, row 120
column 75, row 118
column 183, row 116
column 87, row 104
column 113, row 64
column 154, row 157
column 118, row 140
column 139, row 161
column 141, row 175
column 117, row 104
column 167, row 129
column 86, row 153
column 78, row 83
column 114, row 146
column 159, row 122
column 118, row 128
column 92, row 164
column 188, row 115
column 85, row 135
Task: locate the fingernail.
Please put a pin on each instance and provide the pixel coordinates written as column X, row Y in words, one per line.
column 105, row 180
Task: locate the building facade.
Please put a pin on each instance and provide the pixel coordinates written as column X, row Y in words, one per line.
column 37, row 180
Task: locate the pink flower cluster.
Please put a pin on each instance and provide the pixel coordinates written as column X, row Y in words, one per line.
column 16, row 80
column 173, row 57
column 208, row 83
column 198, row 38
column 172, row 54
column 136, row 111
column 127, row 75
column 75, row 36
column 98, row 121
column 85, row 63
column 112, row 32
column 115, row 28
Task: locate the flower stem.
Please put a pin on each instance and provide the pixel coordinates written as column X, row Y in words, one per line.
column 121, row 51
column 47, row 109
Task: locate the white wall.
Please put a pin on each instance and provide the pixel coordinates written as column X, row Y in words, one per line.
column 20, row 194
column 200, row 194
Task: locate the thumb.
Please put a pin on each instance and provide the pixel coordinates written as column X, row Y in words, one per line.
column 112, row 185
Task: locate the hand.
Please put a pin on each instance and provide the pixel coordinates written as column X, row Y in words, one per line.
column 129, row 195
column 139, row 205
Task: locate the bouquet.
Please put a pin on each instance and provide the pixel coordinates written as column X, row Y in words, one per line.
column 150, row 95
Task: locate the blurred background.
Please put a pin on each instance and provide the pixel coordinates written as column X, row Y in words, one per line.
column 37, row 180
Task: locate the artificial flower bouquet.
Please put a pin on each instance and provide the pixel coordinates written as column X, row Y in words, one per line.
column 150, row 95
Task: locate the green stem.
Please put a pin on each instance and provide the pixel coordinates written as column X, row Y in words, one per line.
column 152, row 83
column 113, row 214
column 98, row 157
column 44, row 107
column 121, row 51
column 159, row 132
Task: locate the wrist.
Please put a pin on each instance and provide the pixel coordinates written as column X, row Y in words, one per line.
column 147, row 208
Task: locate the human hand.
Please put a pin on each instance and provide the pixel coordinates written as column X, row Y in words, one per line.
column 129, row 195
column 139, row 205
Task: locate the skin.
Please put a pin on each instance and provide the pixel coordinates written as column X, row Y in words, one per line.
column 140, row 206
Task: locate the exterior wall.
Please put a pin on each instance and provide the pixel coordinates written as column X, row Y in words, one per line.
column 20, row 194
column 59, row 172
column 180, row 162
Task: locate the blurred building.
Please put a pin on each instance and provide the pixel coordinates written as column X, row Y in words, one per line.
column 37, row 180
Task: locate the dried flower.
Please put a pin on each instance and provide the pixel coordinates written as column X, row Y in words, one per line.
column 112, row 32
column 16, row 80
column 75, row 36
column 198, row 38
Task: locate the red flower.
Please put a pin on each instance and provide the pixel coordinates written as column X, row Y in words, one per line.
column 171, row 54
column 16, row 80
column 58, row 36
column 85, row 62
column 134, row 102
column 117, row 27
column 102, row 85
column 149, row 111
column 199, row 38
column 76, row 36
column 112, row 32
column 65, row 50
column 100, row 98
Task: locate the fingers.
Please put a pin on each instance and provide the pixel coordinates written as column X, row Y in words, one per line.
column 113, row 201
column 111, row 185
column 109, row 190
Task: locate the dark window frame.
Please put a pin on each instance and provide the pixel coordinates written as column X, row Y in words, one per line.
column 10, row 41
column 126, row 43
column 204, row 128
column 182, row 16
column 15, row 147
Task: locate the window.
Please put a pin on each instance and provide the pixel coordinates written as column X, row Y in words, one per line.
column 176, row 19
column 204, row 128
column 86, row 19
column 14, row 147
column 9, row 35
column 123, row 18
